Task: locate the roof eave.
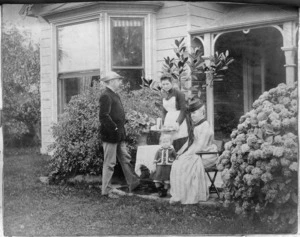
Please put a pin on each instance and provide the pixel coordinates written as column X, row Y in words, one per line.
column 242, row 25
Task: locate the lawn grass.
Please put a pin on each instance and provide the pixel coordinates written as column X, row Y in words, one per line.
column 34, row 208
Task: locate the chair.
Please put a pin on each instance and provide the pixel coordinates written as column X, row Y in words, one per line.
column 213, row 169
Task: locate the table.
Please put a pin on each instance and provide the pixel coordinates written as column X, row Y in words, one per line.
column 145, row 156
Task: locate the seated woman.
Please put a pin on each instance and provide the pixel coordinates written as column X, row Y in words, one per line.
column 174, row 112
column 187, row 178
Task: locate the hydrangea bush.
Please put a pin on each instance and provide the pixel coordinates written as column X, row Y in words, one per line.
column 259, row 166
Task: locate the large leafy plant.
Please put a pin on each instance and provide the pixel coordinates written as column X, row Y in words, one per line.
column 260, row 164
column 187, row 67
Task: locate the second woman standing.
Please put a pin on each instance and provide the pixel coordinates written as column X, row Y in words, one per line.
column 174, row 112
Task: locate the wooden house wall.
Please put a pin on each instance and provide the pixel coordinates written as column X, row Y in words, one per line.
column 171, row 24
column 204, row 13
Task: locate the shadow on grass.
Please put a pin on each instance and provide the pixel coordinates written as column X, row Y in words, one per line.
column 33, row 208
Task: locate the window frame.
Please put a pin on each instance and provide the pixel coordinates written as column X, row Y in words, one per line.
column 104, row 19
column 143, row 44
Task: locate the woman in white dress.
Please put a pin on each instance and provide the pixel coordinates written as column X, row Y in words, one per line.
column 174, row 112
column 187, row 178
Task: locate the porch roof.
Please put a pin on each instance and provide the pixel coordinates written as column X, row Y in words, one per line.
column 249, row 15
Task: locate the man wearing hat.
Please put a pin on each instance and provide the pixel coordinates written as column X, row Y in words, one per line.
column 112, row 133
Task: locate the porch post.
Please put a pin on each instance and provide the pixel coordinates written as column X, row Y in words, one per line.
column 207, row 47
column 289, row 48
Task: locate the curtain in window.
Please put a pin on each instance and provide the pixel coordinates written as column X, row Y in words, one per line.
column 127, row 42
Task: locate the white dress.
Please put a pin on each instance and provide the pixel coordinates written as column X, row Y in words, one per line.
column 187, row 178
column 172, row 116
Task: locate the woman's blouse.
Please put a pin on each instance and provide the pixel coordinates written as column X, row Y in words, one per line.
column 203, row 140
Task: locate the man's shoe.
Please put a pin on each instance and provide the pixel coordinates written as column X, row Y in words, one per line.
column 135, row 187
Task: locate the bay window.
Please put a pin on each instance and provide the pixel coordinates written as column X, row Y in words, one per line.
column 81, row 57
column 78, row 59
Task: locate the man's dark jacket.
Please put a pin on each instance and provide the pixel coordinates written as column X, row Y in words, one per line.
column 112, row 117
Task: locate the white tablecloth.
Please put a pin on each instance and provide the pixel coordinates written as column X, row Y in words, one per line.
column 145, row 156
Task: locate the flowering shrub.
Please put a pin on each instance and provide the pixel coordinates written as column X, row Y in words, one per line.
column 259, row 165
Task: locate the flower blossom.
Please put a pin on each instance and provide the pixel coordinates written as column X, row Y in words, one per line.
column 251, row 140
column 271, row 195
column 220, row 167
column 256, row 172
column 246, row 205
column 294, row 166
column 233, row 158
column 228, row 145
column 274, row 162
column 276, row 124
column 278, row 139
column 234, row 134
column 225, row 175
column 249, row 168
column 278, row 108
column 245, row 148
column 238, row 210
column 294, row 93
column 258, row 208
column 286, row 122
column 287, row 172
column 248, row 179
column 284, row 113
column 266, row 177
column 285, row 162
column 262, row 116
column 241, row 137
column 278, row 151
column 274, row 116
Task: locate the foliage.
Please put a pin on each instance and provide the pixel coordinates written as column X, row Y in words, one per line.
column 177, row 67
column 21, row 67
column 259, row 165
column 141, row 107
column 77, row 148
column 191, row 66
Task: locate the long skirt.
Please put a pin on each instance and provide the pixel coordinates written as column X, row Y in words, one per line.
column 187, row 179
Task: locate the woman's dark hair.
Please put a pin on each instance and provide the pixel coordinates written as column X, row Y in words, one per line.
column 164, row 78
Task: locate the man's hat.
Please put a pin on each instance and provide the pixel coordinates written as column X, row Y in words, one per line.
column 111, row 76
column 195, row 105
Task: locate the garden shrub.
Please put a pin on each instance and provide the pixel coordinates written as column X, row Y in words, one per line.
column 259, row 165
column 78, row 148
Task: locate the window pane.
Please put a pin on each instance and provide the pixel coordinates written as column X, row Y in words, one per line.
column 127, row 42
column 70, row 87
column 131, row 76
column 78, row 47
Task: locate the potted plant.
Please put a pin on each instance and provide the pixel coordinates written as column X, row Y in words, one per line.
column 139, row 124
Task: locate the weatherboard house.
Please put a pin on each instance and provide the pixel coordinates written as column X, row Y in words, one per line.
column 81, row 39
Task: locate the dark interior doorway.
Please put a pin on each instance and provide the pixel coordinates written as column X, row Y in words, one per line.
column 258, row 67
